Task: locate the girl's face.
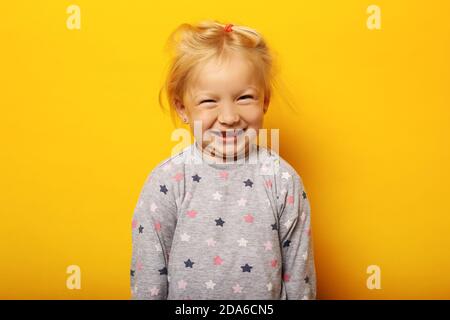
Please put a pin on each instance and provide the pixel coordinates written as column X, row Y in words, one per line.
column 228, row 102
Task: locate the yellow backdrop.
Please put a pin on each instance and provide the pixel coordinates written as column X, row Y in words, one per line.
column 81, row 129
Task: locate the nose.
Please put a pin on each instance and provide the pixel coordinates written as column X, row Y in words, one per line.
column 228, row 115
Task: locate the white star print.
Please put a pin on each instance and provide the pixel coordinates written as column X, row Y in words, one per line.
column 242, row 202
column 277, row 165
column 210, row 284
column 167, row 167
column 307, row 292
column 154, row 291
column 237, row 288
column 288, row 223
column 302, row 217
column 268, row 245
column 211, row 242
column 269, row 286
column 217, row 195
column 305, row 256
column 153, row 207
column 242, row 242
column 185, row 237
column 158, row 247
column 266, row 169
column 285, row 175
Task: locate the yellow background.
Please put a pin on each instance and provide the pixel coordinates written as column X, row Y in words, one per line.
column 81, row 129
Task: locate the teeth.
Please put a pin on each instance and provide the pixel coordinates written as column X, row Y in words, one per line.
column 232, row 133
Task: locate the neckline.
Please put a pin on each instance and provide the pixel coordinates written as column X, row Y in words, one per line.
column 202, row 158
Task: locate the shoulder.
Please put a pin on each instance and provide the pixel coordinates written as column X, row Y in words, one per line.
column 167, row 175
column 272, row 164
column 286, row 181
column 171, row 166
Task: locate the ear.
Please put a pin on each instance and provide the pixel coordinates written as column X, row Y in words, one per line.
column 180, row 108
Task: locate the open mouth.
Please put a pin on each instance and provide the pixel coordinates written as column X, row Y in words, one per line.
column 229, row 135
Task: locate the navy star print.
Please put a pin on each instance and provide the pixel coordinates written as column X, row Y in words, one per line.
column 163, row 271
column 163, row 189
column 189, row 263
column 246, row 268
column 248, row 183
column 219, row 222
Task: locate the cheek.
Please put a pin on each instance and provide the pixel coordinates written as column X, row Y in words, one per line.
column 207, row 119
column 253, row 117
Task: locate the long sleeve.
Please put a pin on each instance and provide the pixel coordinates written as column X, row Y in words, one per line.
column 299, row 276
column 153, row 225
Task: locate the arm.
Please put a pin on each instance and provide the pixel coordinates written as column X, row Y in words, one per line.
column 299, row 274
column 153, row 226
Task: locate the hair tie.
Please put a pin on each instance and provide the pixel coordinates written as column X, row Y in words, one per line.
column 228, row 27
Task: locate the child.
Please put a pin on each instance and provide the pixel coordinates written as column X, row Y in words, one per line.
column 226, row 219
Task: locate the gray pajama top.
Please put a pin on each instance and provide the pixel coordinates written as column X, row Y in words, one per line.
column 203, row 230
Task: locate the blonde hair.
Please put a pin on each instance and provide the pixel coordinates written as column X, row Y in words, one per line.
column 191, row 45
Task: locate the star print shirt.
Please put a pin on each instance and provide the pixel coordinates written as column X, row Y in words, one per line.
column 204, row 230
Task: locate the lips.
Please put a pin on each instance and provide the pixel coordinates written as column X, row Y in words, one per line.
column 229, row 134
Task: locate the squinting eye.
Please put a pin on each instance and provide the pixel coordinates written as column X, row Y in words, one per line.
column 206, row 101
column 247, row 96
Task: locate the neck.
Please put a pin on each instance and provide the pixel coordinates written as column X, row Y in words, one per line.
column 211, row 157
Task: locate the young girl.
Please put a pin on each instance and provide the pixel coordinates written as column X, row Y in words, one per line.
column 225, row 218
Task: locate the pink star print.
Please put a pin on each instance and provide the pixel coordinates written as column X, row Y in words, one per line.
column 248, row 218
column 157, row 226
column 274, row 263
column 178, row 177
column 154, row 291
column 217, row 261
column 269, row 183
column 223, row 175
column 237, row 288
column 134, row 224
column 192, row 213
column 182, row 284
column 268, row 246
column 286, row 277
column 290, row 199
column 138, row 265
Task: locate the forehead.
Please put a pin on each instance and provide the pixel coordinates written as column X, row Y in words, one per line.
column 233, row 73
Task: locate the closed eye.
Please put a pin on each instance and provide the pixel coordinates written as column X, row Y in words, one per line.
column 247, row 96
column 209, row 100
